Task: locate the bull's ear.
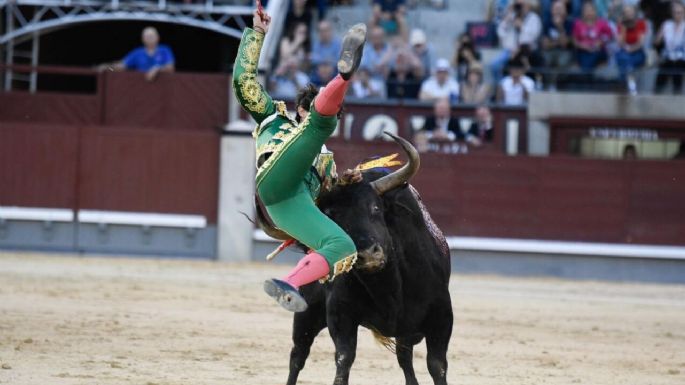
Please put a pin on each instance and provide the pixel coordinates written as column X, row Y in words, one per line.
column 397, row 198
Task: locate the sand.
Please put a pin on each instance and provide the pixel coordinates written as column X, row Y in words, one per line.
column 76, row 320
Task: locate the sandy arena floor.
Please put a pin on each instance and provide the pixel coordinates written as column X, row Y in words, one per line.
column 72, row 320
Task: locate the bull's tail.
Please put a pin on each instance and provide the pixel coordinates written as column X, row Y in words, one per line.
column 386, row 342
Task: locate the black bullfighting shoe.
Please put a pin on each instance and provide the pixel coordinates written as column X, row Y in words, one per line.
column 352, row 48
column 285, row 294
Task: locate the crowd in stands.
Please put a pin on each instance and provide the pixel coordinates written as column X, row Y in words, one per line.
column 539, row 41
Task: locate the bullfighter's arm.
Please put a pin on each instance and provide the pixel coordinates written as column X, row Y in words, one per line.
column 247, row 89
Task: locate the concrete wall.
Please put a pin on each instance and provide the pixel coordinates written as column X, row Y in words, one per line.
column 544, row 105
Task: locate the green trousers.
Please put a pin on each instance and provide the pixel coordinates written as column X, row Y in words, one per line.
column 289, row 180
column 286, row 191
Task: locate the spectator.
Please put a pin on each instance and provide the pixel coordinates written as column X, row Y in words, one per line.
column 474, row 90
column 422, row 50
column 481, row 129
column 657, row 11
column 515, row 89
column 590, row 36
column 152, row 58
column 556, row 39
column 298, row 13
column 364, row 86
column 323, row 73
column 680, row 155
column 572, row 7
column 518, row 32
column 466, row 56
column 630, row 152
column 672, row 36
column 441, row 129
column 377, row 54
column 390, row 16
column 497, row 10
column 295, row 44
column 441, row 85
column 404, row 78
column 327, row 47
column 288, row 78
column 631, row 53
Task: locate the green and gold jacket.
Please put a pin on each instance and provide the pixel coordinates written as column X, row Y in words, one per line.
column 275, row 127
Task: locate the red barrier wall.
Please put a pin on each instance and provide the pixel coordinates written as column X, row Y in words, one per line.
column 147, row 170
column 37, row 165
column 556, row 198
column 131, row 146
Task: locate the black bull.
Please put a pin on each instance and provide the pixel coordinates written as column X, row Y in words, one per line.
column 399, row 286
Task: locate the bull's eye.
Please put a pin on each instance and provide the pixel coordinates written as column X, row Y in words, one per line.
column 375, row 209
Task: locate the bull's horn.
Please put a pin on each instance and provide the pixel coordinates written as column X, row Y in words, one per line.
column 401, row 176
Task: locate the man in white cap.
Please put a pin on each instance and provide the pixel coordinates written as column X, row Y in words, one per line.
column 422, row 49
column 440, row 85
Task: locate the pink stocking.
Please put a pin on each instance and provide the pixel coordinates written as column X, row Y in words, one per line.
column 311, row 267
column 330, row 98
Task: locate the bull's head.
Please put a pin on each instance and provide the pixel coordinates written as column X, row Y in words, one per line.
column 361, row 208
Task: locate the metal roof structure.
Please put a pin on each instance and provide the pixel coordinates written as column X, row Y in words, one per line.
column 26, row 20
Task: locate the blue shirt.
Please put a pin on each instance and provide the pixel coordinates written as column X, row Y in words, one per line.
column 326, row 52
column 139, row 60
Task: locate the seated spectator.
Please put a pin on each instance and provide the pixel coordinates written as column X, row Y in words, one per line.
column 474, row 90
column 556, row 38
column 573, row 8
column 466, row 56
column 323, row 73
column 404, row 78
column 152, row 58
column 497, row 10
column 629, row 152
column 422, row 50
column 518, row 32
column 631, row 51
column 672, row 36
column 591, row 34
column 288, row 78
column 441, row 85
column 326, row 47
column 364, row 86
column 481, row 129
column 515, row 89
column 298, row 13
column 441, row 130
column 295, row 44
column 390, row 16
column 377, row 54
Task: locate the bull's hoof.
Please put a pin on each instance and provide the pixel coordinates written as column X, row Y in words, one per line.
column 285, row 294
column 352, row 48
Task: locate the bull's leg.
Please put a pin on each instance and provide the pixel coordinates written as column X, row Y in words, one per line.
column 438, row 333
column 405, row 356
column 344, row 334
column 306, row 326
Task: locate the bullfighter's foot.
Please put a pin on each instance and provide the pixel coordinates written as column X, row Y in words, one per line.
column 285, row 294
column 352, row 49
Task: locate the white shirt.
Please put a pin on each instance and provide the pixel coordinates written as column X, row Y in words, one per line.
column 514, row 93
column 434, row 90
column 674, row 40
column 529, row 34
column 375, row 89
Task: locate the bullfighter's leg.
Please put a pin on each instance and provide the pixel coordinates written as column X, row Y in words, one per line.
column 344, row 334
column 405, row 357
column 438, row 332
column 306, row 326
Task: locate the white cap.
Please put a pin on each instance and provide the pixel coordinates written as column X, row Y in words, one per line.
column 442, row 65
column 417, row 37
